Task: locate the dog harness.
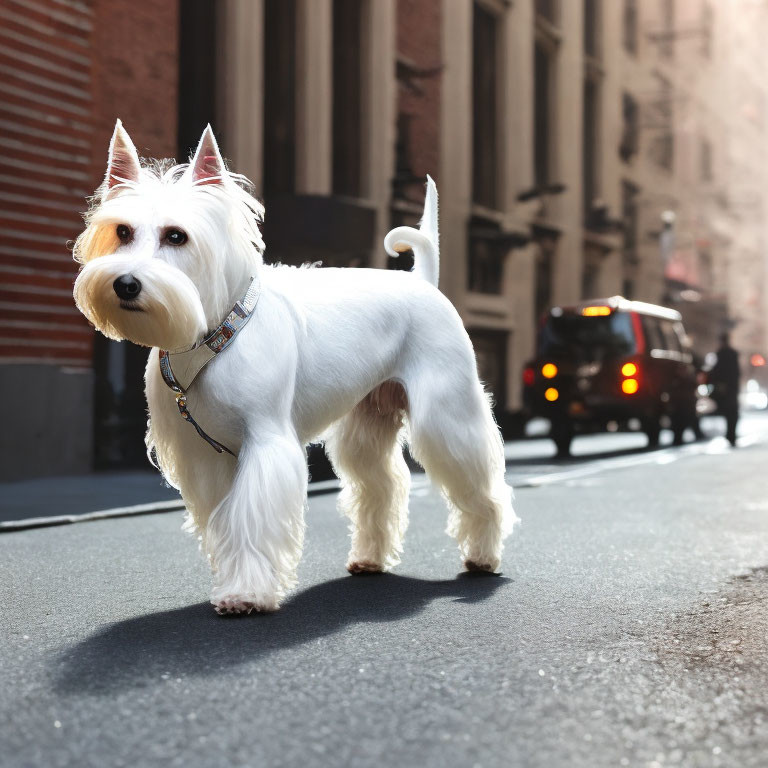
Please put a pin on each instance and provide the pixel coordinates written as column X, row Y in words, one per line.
column 180, row 369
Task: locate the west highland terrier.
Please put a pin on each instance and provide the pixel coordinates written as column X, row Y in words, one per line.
column 250, row 363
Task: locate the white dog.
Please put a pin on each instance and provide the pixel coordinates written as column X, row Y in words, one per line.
column 172, row 259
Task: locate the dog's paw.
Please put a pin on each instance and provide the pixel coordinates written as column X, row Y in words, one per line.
column 232, row 604
column 474, row 567
column 364, row 566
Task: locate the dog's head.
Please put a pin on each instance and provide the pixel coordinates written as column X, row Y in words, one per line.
column 167, row 249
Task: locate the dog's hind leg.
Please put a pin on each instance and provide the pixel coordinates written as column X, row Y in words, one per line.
column 365, row 448
column 255, row 535
column 455, row 438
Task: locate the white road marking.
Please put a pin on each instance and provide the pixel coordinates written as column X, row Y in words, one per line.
column 137, row 509
column 714, row 446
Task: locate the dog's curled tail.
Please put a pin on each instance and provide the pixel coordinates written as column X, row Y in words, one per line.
column 424, row 241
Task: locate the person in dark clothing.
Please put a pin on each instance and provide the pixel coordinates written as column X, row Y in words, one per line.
column 725, row 378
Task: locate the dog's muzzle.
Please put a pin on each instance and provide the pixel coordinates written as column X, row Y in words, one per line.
column 127, row 287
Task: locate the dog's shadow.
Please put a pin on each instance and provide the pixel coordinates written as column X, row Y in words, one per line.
column 195, row 641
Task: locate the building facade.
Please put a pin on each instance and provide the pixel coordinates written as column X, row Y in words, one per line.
column 694, row 112
column 68, row 70
column 581, row 148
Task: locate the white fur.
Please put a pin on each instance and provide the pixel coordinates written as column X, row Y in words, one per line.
column 324, row 356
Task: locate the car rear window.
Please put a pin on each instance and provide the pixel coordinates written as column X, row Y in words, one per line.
column 588, row 339
column 663, row 334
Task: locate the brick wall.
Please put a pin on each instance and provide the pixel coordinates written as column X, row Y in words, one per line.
column 45, row 131
column 136, row 50
column 67, row 70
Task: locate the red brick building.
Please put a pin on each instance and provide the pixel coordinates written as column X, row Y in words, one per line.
column 68, row 69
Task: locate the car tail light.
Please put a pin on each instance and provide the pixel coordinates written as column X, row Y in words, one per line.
column 549, row 370
column 629, row 386
column 629, row 369
column 529, row 377
column 631, row 373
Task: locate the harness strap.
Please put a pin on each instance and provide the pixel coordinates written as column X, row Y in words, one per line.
column 181, row 402
column 179, row 369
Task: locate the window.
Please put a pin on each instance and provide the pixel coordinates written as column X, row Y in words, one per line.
column 630, row 136
column 667, row 39
column 683, row 341
column 546, row 44
column 660, row 118
column 654, row 338
column 663, row 335
column 630, row 26
column 588, row 338
column 279, row 97
column 592, row 28
column 347, row 97
column 417, row 86
column 591, row 112
column 630, row 219
column 543, row 122
column 486, row 257
column 663, row 150
column 590, row 138
column 590, row 276
column 548, row 10
column 484, row 95
column 670, row 336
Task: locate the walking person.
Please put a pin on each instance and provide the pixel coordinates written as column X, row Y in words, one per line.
column 725, row 378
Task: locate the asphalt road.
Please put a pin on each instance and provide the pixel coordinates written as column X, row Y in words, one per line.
column 630, row 627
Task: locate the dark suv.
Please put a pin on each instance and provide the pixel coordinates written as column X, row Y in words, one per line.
column 611, row 360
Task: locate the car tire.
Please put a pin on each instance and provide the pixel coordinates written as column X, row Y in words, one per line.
column 679, row 423
column 652, row 429
column 562, row 435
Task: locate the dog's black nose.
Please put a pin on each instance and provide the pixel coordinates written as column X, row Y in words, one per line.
column 127, row 287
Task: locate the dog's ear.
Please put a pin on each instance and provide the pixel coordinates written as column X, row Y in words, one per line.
column 123, row 164
column 207, row 167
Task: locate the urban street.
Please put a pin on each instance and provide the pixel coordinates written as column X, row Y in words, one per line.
column 230, row 228
column 629, row 627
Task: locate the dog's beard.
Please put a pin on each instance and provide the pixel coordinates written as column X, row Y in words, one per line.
column 167, row 313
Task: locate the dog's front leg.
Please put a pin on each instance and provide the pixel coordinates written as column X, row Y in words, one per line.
column 255, row 535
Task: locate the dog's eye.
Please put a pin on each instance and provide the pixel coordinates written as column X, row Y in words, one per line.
column 175, row 237
column 124, row 233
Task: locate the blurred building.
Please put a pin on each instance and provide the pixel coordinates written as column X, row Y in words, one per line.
column 693, row 169
column 581, row 148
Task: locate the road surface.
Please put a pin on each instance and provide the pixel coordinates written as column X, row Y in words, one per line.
column 629, row 627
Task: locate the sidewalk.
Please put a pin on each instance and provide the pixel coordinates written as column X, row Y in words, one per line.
column 97, row 491
column 80, row 494
column 47, row 497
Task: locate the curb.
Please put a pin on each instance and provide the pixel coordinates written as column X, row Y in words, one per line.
column 11, row 526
